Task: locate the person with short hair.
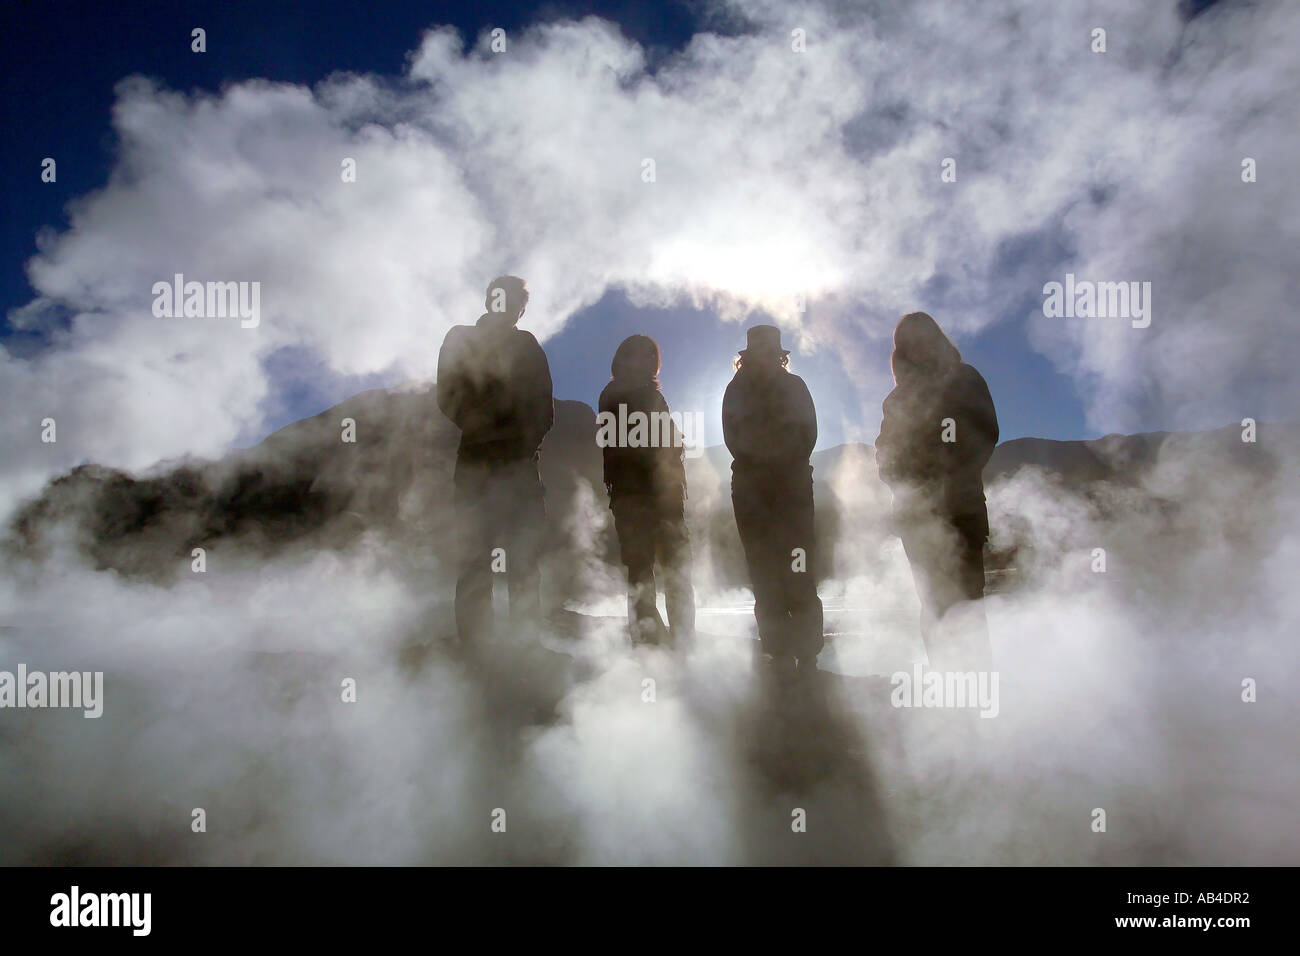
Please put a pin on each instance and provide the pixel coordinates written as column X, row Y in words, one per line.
column 494, row 382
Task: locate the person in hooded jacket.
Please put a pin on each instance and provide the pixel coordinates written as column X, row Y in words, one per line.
column 770, row 427
column 938, row 430
column 646, row 481
column 494, row 382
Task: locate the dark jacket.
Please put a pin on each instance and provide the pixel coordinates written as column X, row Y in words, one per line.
column 768, row 421
column 657, row 471
column 925, row 472
column 495, row 384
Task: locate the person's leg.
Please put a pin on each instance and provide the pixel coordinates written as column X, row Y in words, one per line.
column 973, row 532
column 634, row 522
column 967, row 615
column 675, row 554
column 925, row 544
column 947, row 561
column 763, row 556
column 522, row 511
column 799, row 578
column 474, row 580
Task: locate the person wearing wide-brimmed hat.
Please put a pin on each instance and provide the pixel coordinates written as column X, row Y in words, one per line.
column 770, row 427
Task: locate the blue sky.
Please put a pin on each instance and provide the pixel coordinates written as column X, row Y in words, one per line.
column 785, row 169
column 63, row 63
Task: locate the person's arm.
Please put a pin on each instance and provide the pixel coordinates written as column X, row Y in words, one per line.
column 977, row 421
column 536, row 394
column 910, row 448
column 671, row 468
column 770, row 421
column 887, row 443
column 805, row 418
column 607, row 452
column 731, row 425
column 746, row 430
column 451, row 384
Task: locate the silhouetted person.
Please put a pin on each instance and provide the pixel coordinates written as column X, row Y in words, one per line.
column 770, row 427
column 646, row 481
column 495, row 384
column 938, row 431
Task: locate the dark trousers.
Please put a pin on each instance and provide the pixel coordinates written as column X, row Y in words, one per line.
column 650, row 528
column 774, row 515
column 499, row 504
column 947, row 558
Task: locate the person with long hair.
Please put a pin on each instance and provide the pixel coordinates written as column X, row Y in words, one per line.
column 770, row 427
column 646, row 481
column 938, row 431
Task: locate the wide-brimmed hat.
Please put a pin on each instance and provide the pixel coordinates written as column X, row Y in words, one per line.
column 763, row 340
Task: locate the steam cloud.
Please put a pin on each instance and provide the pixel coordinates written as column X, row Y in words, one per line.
column 777, row 174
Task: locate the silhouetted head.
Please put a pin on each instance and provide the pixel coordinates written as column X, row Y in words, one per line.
column 921, row 350
column 636, row 360
column 507, row 297
column 762, row 349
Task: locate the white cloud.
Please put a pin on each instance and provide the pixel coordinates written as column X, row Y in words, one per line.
column 776, row 173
